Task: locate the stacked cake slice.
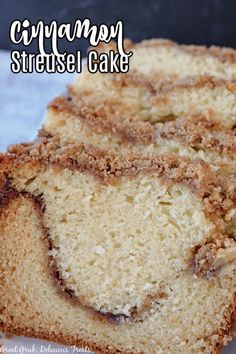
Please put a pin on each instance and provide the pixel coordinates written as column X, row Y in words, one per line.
column 118, row 224
column 195, row 116
column 165, row 57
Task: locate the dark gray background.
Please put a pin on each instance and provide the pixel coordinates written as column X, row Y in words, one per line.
column 187, row 21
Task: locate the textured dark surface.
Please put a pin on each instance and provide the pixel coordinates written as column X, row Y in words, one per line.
column 186, row 21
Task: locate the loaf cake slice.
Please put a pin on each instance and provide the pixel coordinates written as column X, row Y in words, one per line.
column 195, row 117
column 122, row 254
column 161, row 56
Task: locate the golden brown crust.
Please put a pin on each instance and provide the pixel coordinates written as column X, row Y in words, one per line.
column 227, row 330
column 59, row 338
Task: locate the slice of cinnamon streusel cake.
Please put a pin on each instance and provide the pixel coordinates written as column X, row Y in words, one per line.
column 194, row 117
column 175, row 98
column 123, row 254
column 165, row 57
